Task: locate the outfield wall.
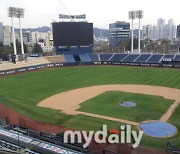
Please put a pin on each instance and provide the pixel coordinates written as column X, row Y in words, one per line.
column 51, row 65
column 14, row 118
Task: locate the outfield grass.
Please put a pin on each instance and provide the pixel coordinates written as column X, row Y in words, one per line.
column 22, row 92
column 147, row 107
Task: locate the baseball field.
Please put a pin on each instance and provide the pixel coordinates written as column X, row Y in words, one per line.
column 156, row 92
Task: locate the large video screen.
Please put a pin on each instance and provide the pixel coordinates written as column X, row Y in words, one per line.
column 72, row 33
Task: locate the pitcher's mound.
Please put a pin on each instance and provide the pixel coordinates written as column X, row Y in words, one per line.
column 127, row 104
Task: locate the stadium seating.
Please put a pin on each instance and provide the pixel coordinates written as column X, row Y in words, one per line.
column 155, row 58
column 55, row 59
column 94, row 57
column 168, row 57
column 43, row 139
column 105, row 57
column 118, row 57
column 177, row 58
column 3, row 123
column 131, row 58
column 143, row 58
column 69, row 59
column 29, row 62
column 33, row 63
column 59, row 138
column 84, row 58
column 30, row 151
column 9, row 146
column 171, row 148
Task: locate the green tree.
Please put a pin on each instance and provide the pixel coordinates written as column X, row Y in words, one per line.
column 5, row 51
column 126, row 45
column 1, row 44
column 25, row 48
column 18, row 46
column 37, row 49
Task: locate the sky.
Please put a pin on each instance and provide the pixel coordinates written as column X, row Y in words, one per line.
column 101, row 12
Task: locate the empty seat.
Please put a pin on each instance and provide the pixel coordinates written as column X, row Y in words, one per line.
column 105, row 57
column 118, row 57
column 143, row 58
column 177, row 58
column 168, row 57
column 94, row 57
column 131, row 58
column 69, row 59
column 84, row 58
column 155, row 59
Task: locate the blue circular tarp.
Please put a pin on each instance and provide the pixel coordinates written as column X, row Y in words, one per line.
column 158, row 129
column 127, row 104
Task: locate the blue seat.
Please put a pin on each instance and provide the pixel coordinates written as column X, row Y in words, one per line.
column 143, row 58
column 84, row 58
column 168, row 57
column 105, row 57
column 177, row 58
column 131, row 58
column 155, row 59
column 69, row 59
column 93, row 57
column 118, row 57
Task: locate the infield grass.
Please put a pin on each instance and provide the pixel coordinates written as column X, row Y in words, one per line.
column 147, row 107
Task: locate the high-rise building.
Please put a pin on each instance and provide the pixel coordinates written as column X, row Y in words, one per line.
column 161, row 31
column 1, row 32
column 118, row 32
column 178, row 31
column 49, row 39
column 171, row 29
column 160, row 22
column 35, row 37
column 28, row 37
column 170, row 22
column 7, row 35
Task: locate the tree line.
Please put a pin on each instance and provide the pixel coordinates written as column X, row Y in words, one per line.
column 6, row 50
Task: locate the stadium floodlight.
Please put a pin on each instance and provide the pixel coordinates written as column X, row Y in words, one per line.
column 132, row 16
column 138, row 14
column 14, row 12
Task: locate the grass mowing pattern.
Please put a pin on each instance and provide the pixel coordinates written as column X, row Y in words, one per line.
column 147, row 107
column 22, row 92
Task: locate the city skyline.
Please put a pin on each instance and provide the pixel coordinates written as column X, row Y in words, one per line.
column 42, row 13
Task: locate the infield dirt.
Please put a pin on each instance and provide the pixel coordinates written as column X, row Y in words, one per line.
column 69, row 102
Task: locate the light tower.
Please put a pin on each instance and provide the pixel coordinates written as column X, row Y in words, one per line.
column 139, row 15
column 21, row 15
column 132, row 16
column 136, row 15
column 14, row 12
